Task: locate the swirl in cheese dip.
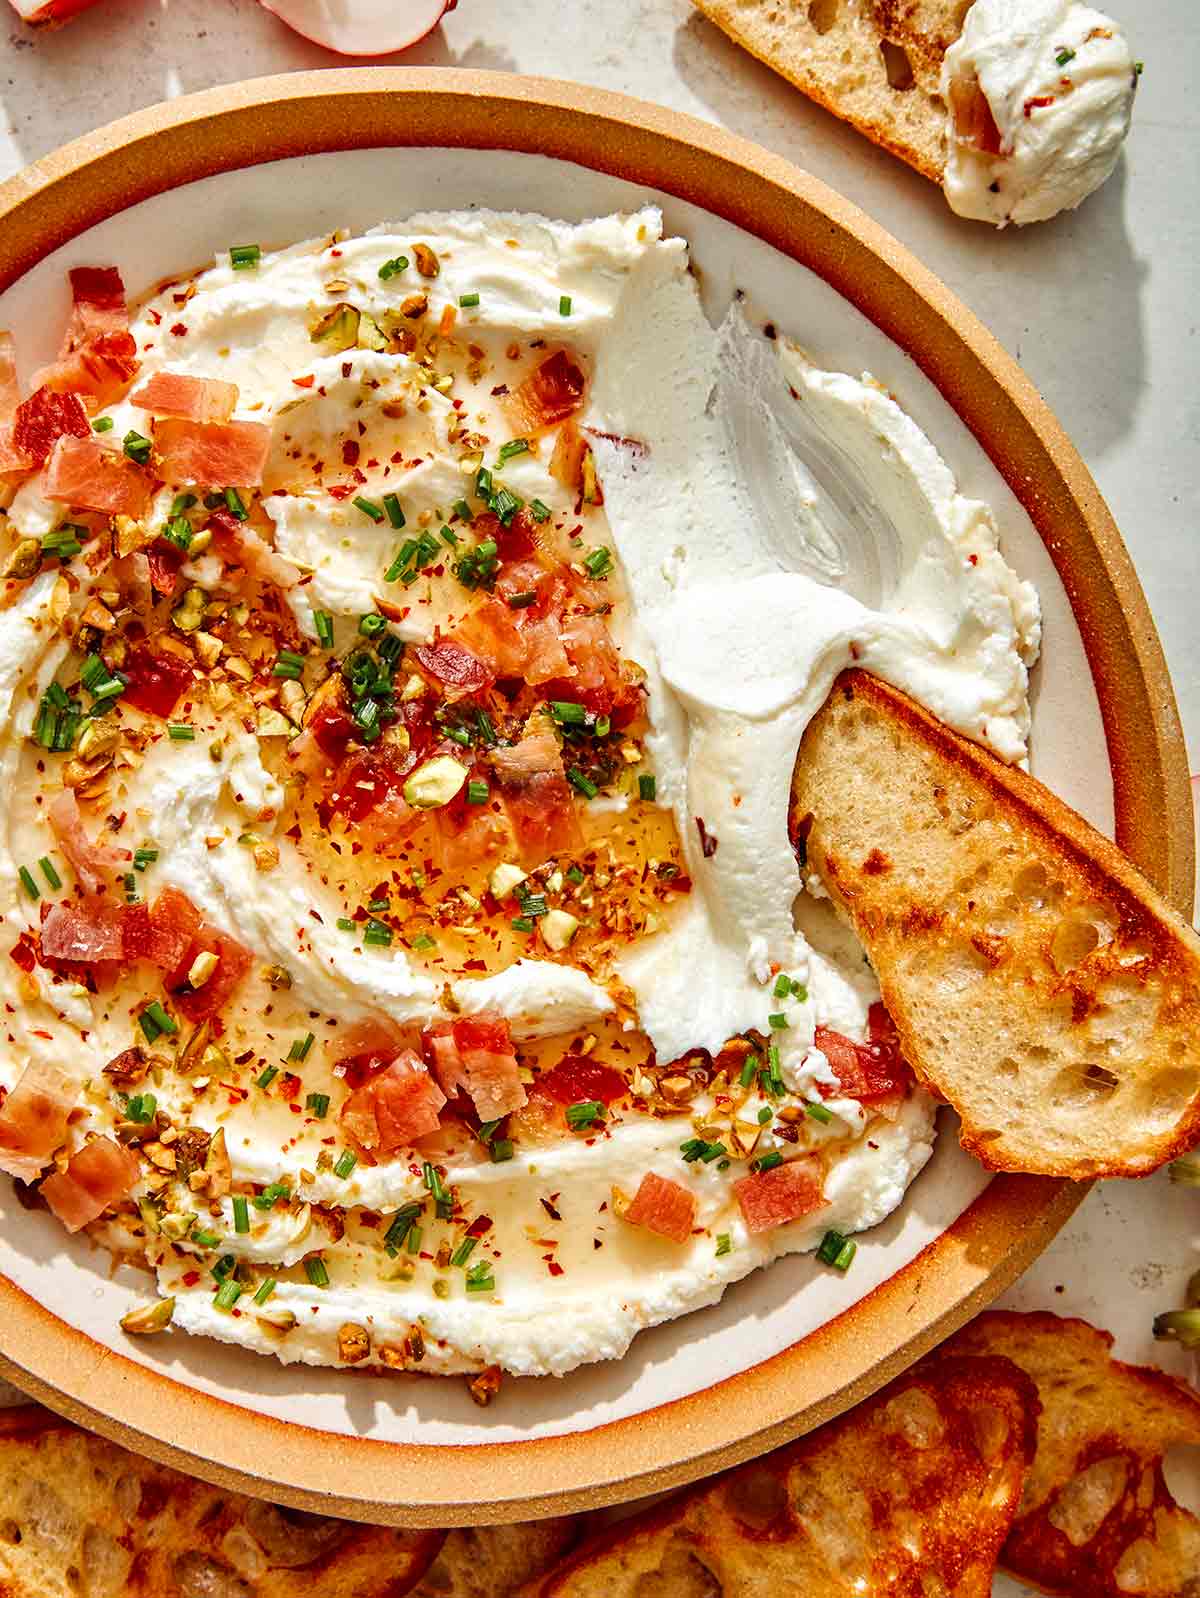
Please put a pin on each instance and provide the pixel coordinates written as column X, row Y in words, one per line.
column 419, row 972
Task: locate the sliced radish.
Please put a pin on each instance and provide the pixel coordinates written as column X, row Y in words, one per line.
column 361, row 27
column 48, row 11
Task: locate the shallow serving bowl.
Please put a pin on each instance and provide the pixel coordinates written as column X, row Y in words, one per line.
column 283, row 158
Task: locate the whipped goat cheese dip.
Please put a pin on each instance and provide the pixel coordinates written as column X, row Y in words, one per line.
column 556, row 896
column 1041, row 96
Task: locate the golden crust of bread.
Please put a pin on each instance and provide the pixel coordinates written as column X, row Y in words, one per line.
column 80, row 1515
column 494, row 1561
column 1096, row 1517
column 1036, row 979
column 910, row 1494
column 875, row 63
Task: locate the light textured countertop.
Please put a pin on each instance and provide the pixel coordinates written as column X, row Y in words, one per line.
column 1099, row 306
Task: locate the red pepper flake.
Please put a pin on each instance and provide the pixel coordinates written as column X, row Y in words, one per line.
column 350, row 453
column 708, row 844
column 1036, row 102
column 305, row 382
column 480, row 1226
column 340, row 490
column 180, row 330
column 190, row 1278
column 550, row 1209
column 554, row 1268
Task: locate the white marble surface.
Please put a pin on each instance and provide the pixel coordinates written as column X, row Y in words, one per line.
column 1099, row 306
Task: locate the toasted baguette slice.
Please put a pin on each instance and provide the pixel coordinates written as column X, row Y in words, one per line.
column 496, row 1561
column 1097, row 1517
column 80, row 1516
column 1037, row 981
column 912, row 1492
column 877, row 64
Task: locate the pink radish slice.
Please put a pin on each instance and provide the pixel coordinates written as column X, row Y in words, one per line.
column 48, row 11
column 361, row 27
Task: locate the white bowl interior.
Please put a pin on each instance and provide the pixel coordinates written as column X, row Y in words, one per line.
column 284, row 201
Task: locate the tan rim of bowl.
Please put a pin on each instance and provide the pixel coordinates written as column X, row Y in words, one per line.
column 1012, row 1221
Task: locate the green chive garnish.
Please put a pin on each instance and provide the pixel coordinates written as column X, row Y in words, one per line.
column 266, row 1077
column 582, row 783
column 137, row 447
column 27, row 882
column 818, row 1112
column 468, row 300
column 368, row 507
column 584, row 1114
column 301, row 1046
column 244, row 257
column 599, row 562
column 318, row 1103
column 647, row 788
column 724, row 1244
column 48, row 871
column 464, row 1251
column 836, row 1250
column 323, row 622
column 314, row 1269
column 227, row 1294
column 564, row 305
column 567, row 713
column 393, row 268
column 515, row 446
column 477, row 792
column 346, row 1162
column 179, row 732
column 541, row 512
column 265, row 1290
column 241, row 1213
column 395, row 515
column 102, row 424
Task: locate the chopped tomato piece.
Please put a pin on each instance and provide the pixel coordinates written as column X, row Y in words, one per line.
column 33, row 1118
column 784, row 1193
column 576, row 1080
column 872, row 1070
column 663, row 1206
column 538, row 797
column 399, row 1105
column 45, row 417
column 551, row 392
column 99, row 1176
column 161, row 932
column 213, row 454
column 459, row 671
column 93, row 863
column 233, row 964
column 89, row 931
column 239, row 544
column 83, row 473
column 199, row 399
column 156, row 680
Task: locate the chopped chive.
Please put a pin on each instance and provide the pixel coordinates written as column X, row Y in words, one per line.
column 178, row 531
column 372, row 624
column 178, row 732
column 244, row 257
column 599, row 562
column 647, row 788
column 483, row 483
column 266, row 1199
column 522, row 924
column 564, row 305
column 227, row 1294
column 458, row 735
column 393, row 268
column 486, row 730
column 422, row 942
column 235, row 504
column 403, row 1222
column 467, row 301
column 448, row 536
column 514, row 447
column 778, row 1020
column 289, row 665
column 464, row 1251
column 137, row 447
column 836, row 1250
column 414, row 1240
column 389, row 649
column 749, row 1067
column 584, row 1114
column 541, row 512
column 346, row 1162
column 27, row 882
column 783, row 986
column 318, row 1103
column 765, row 1114
column 154, row 1021
column 48, row 871
column 818, row 1112
column 368, row 507
column 378, row 906
column 181, row 503
column 377, row 934
column 505, row 505
column 265, row 1290
column 567, row 713
column 480, row 1278
column 143, row 858
column 203, row 1238
column 345, row 924
column 301, row 1046
column 767, row 1162
column 432, row 1178
column 102, row 424
column 266, row 1077
column 241, row 1213
column 477, row 792
column 502, row 1150
column 142, row 1108
column 582, row 783
column 395, row 515
column 522, row 601
column 574, row 874
column 323, row 622
column 314, row 1269
column 1064, row 55
column 724, row 1244
column 463, row 511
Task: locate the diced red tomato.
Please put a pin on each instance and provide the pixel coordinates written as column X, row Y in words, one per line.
column 577, row 1080
column 33, row 1118
column 198, row 399
column 97, row 1177
column 83, row 473
column 93, row 863
column 397, row 1107
column 551, row 392
column 867, row 1071
column 88, row 932
column 239, row 544
column 156, row 680
column 45, row 417
column 784, row 1193
column 663, row 1206
column 233, row 964
column 10, row 393
column 459, row 671
column 538, row 797
column 161, row 932
column 213, row 454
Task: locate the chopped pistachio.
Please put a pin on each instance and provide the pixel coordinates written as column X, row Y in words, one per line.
column 276, row 1320
column 427, row 262
column 188, row 615
column 353, row 1343
column 202, row 967
column 504, row 878
column 25, row 559
column 99, row 737
column 370, row 335
column 435, row 783
column 558, row 927
column 149, row 1318
column 337, row 328
column 273, row 724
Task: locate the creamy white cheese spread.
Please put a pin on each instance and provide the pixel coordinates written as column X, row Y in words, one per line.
column 1058, row 82
column 772, row 522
